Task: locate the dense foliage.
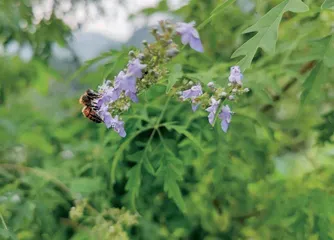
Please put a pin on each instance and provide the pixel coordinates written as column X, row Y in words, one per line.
column 174, row 176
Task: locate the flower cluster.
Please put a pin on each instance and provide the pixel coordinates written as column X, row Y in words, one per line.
column 145, row 68
column 141, row 72
column 216, row 97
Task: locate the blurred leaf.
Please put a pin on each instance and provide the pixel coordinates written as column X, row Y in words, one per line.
column 267, row 28
column 328, row 4
column 174, row 76
column 86, row 185
column 133, row 184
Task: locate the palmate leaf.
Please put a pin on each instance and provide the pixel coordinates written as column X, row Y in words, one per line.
column 323, row 50
column 328, row 4
column 267, row 31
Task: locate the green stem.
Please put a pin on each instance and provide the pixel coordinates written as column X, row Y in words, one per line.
column 3, row 222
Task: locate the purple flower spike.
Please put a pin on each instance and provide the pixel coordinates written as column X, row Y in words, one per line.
column 135, row 68
column 212, row 109
column 189, row 35
column 225, row 116
column 235, row 75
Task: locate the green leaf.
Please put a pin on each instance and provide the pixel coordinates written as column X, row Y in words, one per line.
column 323, row 50
column 215, row 12
column 267, row 32
column 87, row 185
column 133, row 184
column 313, row 81
column 174, row 75
column 171, row 175
column 328, row 4
column 91, row 62
column 182, row 130
column 148, row 166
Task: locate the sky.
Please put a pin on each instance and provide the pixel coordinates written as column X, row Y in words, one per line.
column 115, row 23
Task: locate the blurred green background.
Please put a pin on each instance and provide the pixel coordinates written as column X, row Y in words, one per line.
column 174, row 176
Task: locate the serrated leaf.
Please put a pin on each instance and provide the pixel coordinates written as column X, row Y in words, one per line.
column 182, row 130
column 328, row 4
column 148, row 166
column 133, row 184
column 171, row 186
column 267, row 31
column 313, row 81
column 323, row 50
column 174, row 75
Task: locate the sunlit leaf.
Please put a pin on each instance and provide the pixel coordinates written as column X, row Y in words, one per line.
column 267, row 32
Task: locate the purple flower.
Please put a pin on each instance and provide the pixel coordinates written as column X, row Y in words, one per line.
column 108, row 94
column 189, row 35
column 135, row 68
column 118, row 126
column 109, row 121
column 212, row 109
column 192, row 93
column 235, row 75
column 127, row 83
column 225, row 116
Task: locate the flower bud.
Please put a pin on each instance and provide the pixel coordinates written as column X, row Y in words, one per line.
column 231, row 97
column 211, row 84
column 141, row 56
column 246, row 90
column 172, row 52
column 223, row 94
column 170, row 41
column 229, row 84
column 144, row 42
column 132, row 54
column 190, row 83
column 234, row 90
column 154, row 30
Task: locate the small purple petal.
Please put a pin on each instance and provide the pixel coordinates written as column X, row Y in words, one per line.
column 225, row 116
column 185, row 39
column 118, row 126
column 235, row 75
column 135, row 68
column 196, row 44
column 193, row 92
column 132, row 96
column 189, row 35
column 194, row 107
column 224, row 126
column 212, row 109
